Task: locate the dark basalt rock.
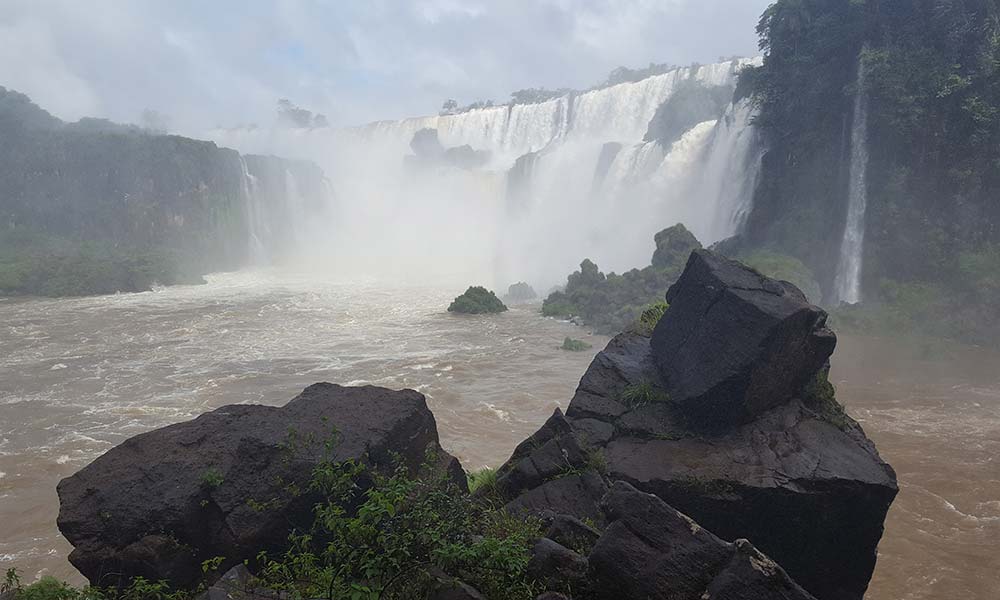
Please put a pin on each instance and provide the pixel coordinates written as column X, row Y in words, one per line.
column 651, row 550
column 798, row 478
column 734, row 343
column 556, row 566
column 162, row 502
column 570, row 531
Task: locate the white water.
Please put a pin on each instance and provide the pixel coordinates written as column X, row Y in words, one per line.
column 399, row 222
column 848, row 279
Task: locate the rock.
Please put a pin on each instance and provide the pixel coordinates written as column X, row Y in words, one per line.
column 556, row 566
column 734, row 343
column 650, row 550
column 552, row 596
column 426, row 145
column 750, row 575
column 673, row 246
column 454, row 589
column 805, row 463
column 798, row 478
column 162, row 502
column 570, row 532
column 236, row 584
column 466, row 157
column 548, row 453
column 520, row 292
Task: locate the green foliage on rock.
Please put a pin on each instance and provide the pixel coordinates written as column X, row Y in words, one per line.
column 573, row 345
column 477, row 300
column 650, row 317
column 610, row 303
column 641, row 394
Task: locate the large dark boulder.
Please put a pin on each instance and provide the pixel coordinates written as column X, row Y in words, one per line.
column 231, row 482
column 651, row 550
column 735, row 343
column 798, row 478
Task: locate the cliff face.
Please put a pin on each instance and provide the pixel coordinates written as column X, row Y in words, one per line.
column 927, row 79
column 110, row 193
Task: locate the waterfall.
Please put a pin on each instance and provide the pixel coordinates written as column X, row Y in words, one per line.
column 256, row 224
column 565, row 179
column 847, row 283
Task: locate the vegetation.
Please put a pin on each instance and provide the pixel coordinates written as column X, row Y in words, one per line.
column 932, row 89
column 477, row 300
column 391, row 540
column 212, row 479
column 43, row 265
column 820, row 396
column 520, row 292
column 643, row 393
column 573, row 345
column 483, row 481
column 650, row 317
column 610, row 303
column 787, row 268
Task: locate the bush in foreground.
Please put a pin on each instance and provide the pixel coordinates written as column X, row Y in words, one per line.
column 395, row 539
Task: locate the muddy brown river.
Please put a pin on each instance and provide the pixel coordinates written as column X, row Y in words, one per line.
column 78, row 376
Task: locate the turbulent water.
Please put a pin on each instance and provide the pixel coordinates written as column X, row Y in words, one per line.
column 78, row 376
column 848, row 278
column 393, row 218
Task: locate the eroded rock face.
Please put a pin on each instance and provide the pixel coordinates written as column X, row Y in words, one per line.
column 798, row 478
column 224, row 484
column 735, row 343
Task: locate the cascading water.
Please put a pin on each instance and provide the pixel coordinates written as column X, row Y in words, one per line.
column 252, row 214
column 568, row 178
column 847, row 282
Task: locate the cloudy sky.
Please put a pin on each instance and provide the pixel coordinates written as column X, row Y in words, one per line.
column 226, row 62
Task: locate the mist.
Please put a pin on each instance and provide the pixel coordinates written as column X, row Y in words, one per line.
column 399, row 298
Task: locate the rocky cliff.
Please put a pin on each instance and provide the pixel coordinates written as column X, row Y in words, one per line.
column 93, row 193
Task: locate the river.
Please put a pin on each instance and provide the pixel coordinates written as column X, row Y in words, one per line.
column 78, row 376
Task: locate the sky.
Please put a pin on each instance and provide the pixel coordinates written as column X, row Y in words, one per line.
column 225, row 63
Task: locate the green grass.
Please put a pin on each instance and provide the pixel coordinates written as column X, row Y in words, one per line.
column 641, row 394
column 484, row 479
column 573, row 345
column 650, row 317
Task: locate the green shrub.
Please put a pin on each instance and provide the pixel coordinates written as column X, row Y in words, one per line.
column 558, row 305
column 477, row 300
column 575, row 345
column 403, row 528
column 212, row 478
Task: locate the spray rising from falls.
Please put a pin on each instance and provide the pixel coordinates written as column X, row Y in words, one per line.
column 525, row 191
column 848, row 279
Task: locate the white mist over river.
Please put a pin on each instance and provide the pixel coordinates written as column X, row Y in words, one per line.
column 595, row 173
column 78, row 376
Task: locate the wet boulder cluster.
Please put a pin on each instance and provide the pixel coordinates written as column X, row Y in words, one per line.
column 708, row 460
